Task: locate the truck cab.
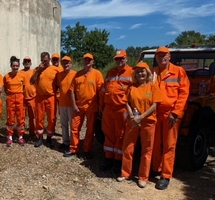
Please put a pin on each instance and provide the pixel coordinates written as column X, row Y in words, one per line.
column 197, row 131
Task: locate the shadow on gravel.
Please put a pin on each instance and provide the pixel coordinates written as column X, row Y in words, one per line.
column 98, row 159
column 196, row 185
column 199, row 184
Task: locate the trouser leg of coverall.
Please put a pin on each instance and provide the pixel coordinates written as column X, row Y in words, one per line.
column 65, row 120
column 30, row 106
column 113, row 125
column 40, row 114
column 130, row 139
column 20, row 115
column 51, row 115
column 88, row 141
column 164, row 146
column 147, row 141
column 10, row 103
column 76, row 124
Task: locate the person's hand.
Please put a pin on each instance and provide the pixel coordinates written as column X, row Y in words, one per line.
column 41, row 67
column 76, row 109
column 172, row 119
column 136, row 121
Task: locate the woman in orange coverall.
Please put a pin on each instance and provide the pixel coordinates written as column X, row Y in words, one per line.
column 142, row 96
column 13, row 86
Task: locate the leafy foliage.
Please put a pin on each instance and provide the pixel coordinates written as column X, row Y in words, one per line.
column 76, row 41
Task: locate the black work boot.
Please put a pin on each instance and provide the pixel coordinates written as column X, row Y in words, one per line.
column 39, row 142
column 162, row 183
column 49, row 142
column 108, row 164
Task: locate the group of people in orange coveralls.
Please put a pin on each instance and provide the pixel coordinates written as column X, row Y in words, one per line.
column 129, row 99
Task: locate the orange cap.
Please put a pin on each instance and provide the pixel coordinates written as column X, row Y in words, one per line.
column 141, row 65
column 67, row 58
column 88, row 55
column 26, row 58
column 162, row 49
column 55, row 55
column 120, row 53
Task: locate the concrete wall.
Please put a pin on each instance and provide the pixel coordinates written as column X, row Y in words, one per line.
column 28, row 27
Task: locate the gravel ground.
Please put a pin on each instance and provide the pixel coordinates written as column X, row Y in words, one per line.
column 44, row 174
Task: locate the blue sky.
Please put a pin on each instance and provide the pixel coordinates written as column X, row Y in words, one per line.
column 140, row 23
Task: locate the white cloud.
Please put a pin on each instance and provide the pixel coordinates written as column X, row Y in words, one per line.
column 107, row 26
column 121, row 37
column 172, row 33
column 135, row 26
column 76, row 9
column 73, row 9
column 180, row 14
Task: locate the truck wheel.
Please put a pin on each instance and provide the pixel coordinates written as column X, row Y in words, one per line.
column 198, row 147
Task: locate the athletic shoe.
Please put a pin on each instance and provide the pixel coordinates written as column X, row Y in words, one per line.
column 9, row 142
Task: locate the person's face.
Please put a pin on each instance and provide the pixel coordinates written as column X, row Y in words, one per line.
column 55, row 62
column 141, row 74
column 27, row 64
column 88, row 62
column 45, row 61
column 67, row 65
column 120, row 61
column 15, row 67
column 163, row 58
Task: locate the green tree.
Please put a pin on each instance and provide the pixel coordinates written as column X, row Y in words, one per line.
column 210, row 40
column 187, row 38
column 76, row 41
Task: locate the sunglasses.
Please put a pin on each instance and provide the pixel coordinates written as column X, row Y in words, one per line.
column 121, row 58
column 55, row 59
column 26, row 61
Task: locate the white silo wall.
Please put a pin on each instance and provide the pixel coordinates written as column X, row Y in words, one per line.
column 28, row 27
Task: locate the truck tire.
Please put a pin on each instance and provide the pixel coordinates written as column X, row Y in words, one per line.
column 198, row 147
column 192, row 151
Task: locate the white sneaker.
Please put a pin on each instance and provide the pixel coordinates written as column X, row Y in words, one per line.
column 142, row 184
column 121, row 178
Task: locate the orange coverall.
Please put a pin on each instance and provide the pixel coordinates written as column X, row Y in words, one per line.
column 174, row 85
column 1, row 84
column 114, row 113
column 13, row 86
column 29, row 99
column 142, row 98
column 86, row 88
column 46, row 87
